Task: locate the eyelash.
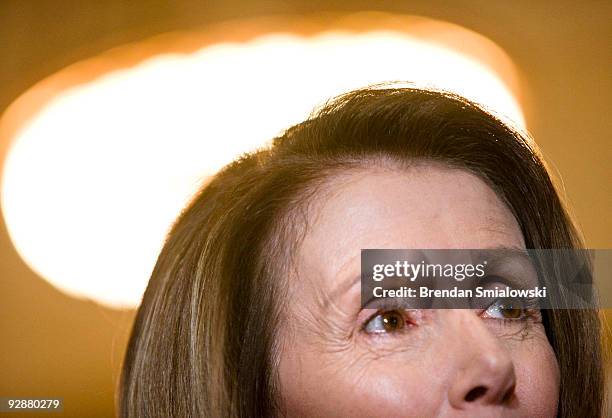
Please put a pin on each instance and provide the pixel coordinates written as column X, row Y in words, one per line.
column 402, row 314
column 528, row 314
column 528, row 309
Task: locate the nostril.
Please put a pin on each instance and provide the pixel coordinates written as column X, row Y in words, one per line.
column 508, row 394
column 475, row 394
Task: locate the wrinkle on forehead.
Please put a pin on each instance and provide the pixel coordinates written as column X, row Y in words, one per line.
column 423, row 205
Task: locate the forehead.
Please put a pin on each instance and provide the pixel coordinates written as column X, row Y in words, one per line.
column 422, row 206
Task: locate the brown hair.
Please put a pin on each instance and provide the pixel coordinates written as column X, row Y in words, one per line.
column 203, row 342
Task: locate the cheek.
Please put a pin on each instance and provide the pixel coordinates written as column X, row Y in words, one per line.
column 360, row 386
column 537, row 373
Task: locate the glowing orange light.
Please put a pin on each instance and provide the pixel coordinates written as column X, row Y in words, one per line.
column 95, row 177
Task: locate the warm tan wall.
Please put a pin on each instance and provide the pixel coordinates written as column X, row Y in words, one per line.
column 53, row 345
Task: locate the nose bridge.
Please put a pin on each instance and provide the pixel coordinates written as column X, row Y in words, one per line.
column 467, row 327
column 483, row 371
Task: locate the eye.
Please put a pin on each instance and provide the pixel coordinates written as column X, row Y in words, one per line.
column 385, row 322
column 505, row 310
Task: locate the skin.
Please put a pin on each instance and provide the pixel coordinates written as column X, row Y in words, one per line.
column 441, row 363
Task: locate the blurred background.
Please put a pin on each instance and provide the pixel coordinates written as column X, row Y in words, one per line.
column 113, row 113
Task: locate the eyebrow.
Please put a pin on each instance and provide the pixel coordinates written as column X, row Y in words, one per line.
column 503, row 253
column 501, row 256
column 345, row 286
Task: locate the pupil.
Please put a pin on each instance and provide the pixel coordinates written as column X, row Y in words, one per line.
column 392, row 321
column 511, row 312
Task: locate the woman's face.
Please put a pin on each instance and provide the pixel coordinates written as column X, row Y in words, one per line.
column 337, row 360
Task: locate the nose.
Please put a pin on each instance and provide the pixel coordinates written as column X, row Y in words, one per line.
column 484, row 369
